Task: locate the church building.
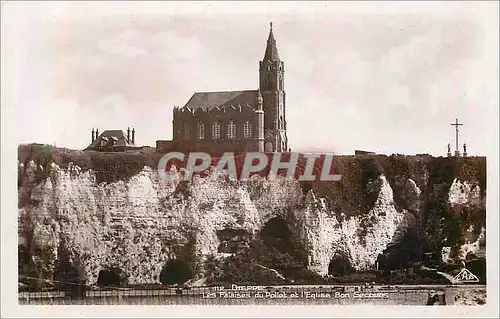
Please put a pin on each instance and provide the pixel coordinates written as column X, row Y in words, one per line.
column 235, row 121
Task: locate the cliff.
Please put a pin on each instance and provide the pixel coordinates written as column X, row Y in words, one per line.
column 107, row 218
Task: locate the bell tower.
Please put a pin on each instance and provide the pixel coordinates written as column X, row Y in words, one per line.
column 272, row 88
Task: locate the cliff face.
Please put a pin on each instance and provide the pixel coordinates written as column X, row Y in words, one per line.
column 95, row 212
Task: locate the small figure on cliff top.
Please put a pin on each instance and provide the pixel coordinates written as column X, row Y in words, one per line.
column 449, row 148
column 465, row 148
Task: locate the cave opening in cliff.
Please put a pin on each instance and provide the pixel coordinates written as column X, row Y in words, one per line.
column 66, row 275
column 339, row 266
column 175, row 272
column 275, row 232
column 109, row 277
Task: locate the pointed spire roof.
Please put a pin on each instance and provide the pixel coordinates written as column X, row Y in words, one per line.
column 260, row 100
column 259, row 95
column 271, row 49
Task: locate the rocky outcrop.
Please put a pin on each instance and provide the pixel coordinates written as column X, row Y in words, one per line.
column 463, row 199
column 110, row 211
column 360, row 239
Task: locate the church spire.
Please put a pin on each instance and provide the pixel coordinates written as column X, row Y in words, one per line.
column 271, row 49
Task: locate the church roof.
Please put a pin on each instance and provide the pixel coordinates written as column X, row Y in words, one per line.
column 118, row 136
column 271, row 48
column 211, row 100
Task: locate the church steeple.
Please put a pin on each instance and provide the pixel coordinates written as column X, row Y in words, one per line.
column 272, row 89
column 271, row 49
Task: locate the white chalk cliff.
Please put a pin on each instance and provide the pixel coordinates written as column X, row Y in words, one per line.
column 138, row 224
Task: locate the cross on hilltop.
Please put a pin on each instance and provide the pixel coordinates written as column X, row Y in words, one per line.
column 457, row 151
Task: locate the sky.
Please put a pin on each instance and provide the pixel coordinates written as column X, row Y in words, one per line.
column 384, row 77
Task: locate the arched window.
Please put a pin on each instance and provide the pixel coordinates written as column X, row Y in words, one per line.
column 231, row 130
column 186, row 130
column 268, row 147
column 215, row 130
column 247, row 129
column 201, row 130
